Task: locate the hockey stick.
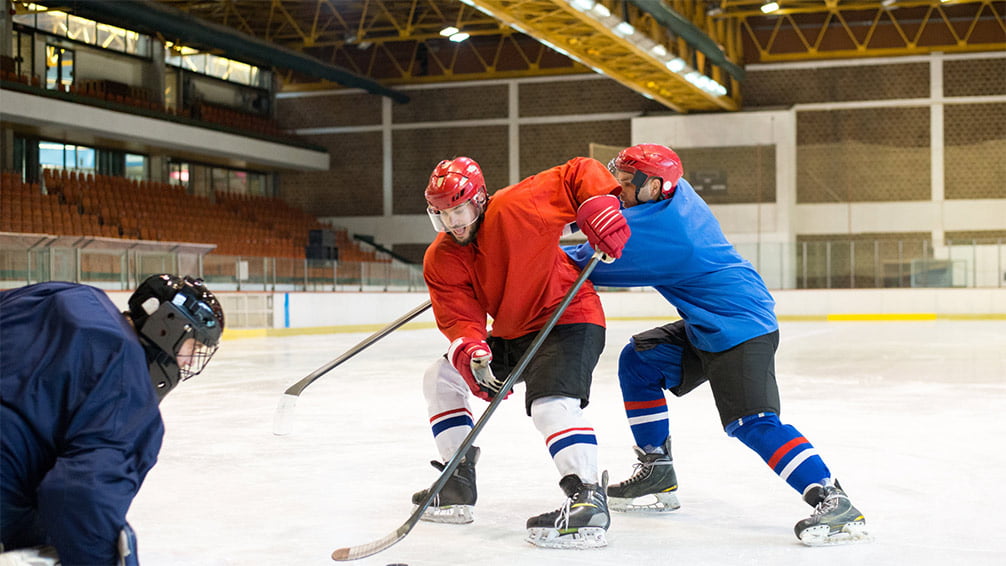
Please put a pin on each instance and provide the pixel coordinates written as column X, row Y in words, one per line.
column 371, row 548
column 282, row 422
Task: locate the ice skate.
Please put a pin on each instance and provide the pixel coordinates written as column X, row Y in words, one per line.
column 456, row 501
column 581, row 522
column 834, row 520
column 652, row 487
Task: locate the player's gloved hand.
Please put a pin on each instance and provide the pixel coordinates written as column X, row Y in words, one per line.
column 472, row 357
column 602, row 222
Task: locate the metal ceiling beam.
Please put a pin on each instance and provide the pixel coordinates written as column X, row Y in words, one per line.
column 156, row 19
column 803, row 29
column 695, row 37
column 625, row 54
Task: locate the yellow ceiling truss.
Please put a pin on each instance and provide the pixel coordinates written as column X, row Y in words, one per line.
column 595, row 34
column 833, row 29
column 399, row 41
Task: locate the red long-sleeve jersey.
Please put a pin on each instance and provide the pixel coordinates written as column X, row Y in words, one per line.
column 515, row 271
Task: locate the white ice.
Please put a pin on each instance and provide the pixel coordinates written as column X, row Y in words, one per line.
column 910, row 416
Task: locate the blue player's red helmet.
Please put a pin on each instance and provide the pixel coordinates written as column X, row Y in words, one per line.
column 652, row 160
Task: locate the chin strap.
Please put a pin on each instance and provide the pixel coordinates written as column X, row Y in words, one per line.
column 164, row 371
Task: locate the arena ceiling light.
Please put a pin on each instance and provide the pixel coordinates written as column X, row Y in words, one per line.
column 626, row 31
column 769, row 7
column 454, row 34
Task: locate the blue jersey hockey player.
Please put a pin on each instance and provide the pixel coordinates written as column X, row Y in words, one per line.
column 727, row 336
column 81, row 428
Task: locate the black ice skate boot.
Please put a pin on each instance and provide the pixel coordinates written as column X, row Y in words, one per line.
column 581, row 522
column 652, row 487
column 834, row 520
column 456, row 501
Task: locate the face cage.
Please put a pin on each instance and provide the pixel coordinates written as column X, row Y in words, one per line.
column 197, row 360
column 638, row 177
column 190, row 350
column 455, row 218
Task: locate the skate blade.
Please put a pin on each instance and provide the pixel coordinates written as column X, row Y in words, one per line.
column 652, row 503
column 453, row 514
column 821, row 535
column 582, row 538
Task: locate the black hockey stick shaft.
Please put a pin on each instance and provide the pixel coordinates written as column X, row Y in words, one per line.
column 371, row 548
column 282, row 421
column 300, row 386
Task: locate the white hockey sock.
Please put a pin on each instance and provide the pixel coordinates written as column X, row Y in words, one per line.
column 447, row 405
column 569, row 437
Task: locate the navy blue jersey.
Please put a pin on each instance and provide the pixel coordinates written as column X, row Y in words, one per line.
column 678, row 248
column 80, row 422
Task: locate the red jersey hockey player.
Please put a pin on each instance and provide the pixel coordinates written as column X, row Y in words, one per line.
column 499, row 257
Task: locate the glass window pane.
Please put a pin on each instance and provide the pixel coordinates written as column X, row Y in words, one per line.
column 111, row 37
column 51, row 66
column 80, row 29
column 136, row 166
column 85, row 158
column 238, row 182
column 51, row 155
column 221, row 179
column 178, row 174
column 52, row 22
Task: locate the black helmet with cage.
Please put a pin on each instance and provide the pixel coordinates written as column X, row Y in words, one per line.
column 179, row 322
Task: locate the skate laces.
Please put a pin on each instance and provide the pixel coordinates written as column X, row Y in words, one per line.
column 562, row 520
column 640, row 471
column 828, row 504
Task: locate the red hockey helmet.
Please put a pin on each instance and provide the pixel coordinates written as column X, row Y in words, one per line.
column 454, row 183
column 653, row 160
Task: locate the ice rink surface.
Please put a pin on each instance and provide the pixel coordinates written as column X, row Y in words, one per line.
column 910, row 416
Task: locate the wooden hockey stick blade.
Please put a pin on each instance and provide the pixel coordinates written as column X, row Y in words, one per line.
column 283, row 419
column 386, row 542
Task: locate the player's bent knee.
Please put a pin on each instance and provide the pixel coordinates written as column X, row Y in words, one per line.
column 546, row 411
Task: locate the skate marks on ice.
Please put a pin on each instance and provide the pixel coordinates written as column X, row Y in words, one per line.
column 904, row 420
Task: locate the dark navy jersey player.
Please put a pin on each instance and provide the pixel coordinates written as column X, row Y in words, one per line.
column 80, row 425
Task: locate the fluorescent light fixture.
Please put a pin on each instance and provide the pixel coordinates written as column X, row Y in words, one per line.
column 624, row 29
column 449, row 31
column 676, row 65
column 459, row 37
column 769, row 7
column 601, row 11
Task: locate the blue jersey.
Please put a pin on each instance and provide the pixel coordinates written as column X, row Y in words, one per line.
column 80, row 422
column 678, row 248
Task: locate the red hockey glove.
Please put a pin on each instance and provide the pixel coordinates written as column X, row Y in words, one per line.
column 472, row 358
column 602, row 222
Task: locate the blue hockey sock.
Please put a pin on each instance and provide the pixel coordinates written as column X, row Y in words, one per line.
column 783, row 448
column 641, row 377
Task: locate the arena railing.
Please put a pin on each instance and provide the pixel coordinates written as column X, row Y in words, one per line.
column 116, row 264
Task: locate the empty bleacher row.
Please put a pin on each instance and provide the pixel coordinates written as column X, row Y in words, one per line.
column 115, row 207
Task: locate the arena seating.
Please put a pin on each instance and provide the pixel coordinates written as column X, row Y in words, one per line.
column 115, row 207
